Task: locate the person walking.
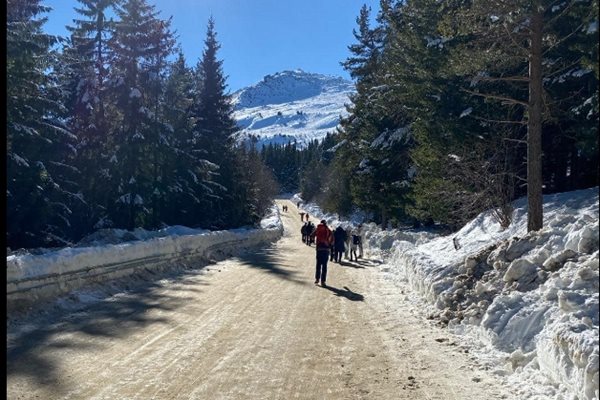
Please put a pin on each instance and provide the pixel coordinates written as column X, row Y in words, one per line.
column 301, row 217
column 339, row 240
column 310, row 229
column 304, row 232
column 324, row 238
column 331, row 248
column 354, row 246
column 348, row 243
column 360, row 234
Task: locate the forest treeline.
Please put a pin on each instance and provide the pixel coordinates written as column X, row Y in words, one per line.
column 458, row 105
column 108, row 128
column 447, row 101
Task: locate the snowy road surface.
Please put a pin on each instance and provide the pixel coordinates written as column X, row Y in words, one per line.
column 253, row 327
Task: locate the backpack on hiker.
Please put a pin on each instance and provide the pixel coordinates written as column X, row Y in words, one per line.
column 355, row 239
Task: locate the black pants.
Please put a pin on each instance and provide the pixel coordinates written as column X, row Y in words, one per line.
column 321, row 272
column 337, row 257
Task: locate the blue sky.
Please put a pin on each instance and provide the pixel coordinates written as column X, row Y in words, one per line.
column 258, row 37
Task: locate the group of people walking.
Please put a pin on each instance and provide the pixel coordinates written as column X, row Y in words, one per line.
column 332, row 244
column 307, row 231
column 302, row 214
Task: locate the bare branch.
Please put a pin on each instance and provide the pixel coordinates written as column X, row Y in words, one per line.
column 497, row 121
column 496, row 97
column 560, row 70
column 524, row 50
column 505, row 79
column 560, row 14
column 564, row 38
column 515, row 140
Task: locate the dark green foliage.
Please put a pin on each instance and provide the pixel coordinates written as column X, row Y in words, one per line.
column 213, row 132
column 111, row 133
column 40, row 186
column 452, row 78
column 83, row 70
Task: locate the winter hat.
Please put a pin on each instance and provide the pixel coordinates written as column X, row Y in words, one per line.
column 324, row 222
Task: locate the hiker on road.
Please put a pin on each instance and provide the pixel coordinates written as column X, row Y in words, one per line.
column 349, row 233
column 324, row 239
column 339, row 240
column 302, row 217
column 360, row 234
column 305, row 233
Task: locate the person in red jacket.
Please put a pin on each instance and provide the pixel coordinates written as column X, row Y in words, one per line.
column 324, row 239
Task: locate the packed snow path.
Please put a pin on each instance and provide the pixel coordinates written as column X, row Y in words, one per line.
column 252, row 327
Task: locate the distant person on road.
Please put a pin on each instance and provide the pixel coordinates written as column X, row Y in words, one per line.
column 305, row 233
column 360, row 234
column 306, row 217
column 348, row 241
column 310, row 239
column 298, row 204
column 324, row 238
column 302, row 217
column 354, row 245
column 332, row 248
column 339, row 241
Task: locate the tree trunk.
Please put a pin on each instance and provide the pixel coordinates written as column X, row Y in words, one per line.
column 534, row 127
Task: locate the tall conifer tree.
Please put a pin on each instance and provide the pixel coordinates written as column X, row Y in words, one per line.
column 138, row 35
column 214, row 129
column 39, row 147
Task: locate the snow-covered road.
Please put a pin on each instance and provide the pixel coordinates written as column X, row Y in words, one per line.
column 252, row 327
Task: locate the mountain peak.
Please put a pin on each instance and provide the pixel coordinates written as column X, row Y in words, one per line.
column 288, row 86
column 291, row 106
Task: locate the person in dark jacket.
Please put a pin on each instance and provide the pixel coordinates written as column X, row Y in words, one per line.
column 339, row 240
column 304, row 232
column 310, row 229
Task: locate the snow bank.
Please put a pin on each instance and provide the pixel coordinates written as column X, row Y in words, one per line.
column 533, row 296
column 34, row 277
column 528, row 299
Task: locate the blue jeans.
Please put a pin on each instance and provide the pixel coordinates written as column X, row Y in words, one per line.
column 321, row 272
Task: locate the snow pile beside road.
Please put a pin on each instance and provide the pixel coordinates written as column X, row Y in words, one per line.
column 529, row 301
column 33, row 277
column 533, row 296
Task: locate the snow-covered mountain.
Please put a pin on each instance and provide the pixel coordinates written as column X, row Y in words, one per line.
column 291, row 106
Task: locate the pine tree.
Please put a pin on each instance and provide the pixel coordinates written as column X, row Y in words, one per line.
column 84, row 70
column 159, row 132
column 508, row 44
column 184, row 174
column 39, row 147
column 136, row 47
column 434, row 135
column 213, row 132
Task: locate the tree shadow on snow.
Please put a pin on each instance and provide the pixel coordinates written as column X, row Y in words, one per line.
column 353, row 264
column 271, row 261
column 32, row 346
column 347, row 293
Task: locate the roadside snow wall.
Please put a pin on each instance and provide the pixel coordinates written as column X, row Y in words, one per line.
column 533, row 296
column 33, row 278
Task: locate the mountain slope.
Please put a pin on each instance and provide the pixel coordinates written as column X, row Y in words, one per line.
column 291, row 106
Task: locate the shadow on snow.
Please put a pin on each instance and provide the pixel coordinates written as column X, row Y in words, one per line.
column 32, row 345
column 268, row 260
column 346, row 292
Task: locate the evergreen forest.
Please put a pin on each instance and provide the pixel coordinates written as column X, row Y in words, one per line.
column 109, row 128
column 460, row 106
